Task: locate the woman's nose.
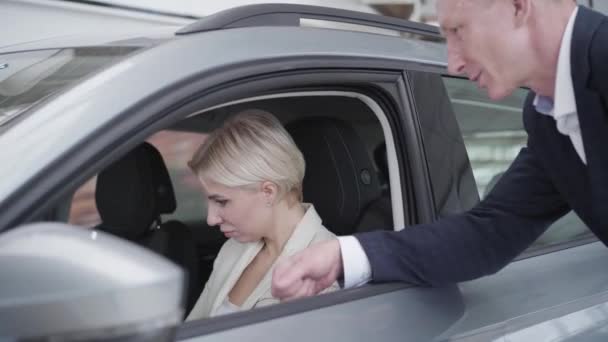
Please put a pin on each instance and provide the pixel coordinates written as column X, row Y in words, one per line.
column 213, row 218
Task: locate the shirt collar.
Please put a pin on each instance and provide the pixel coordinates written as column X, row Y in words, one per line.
column 543, row 105
column 564, row 102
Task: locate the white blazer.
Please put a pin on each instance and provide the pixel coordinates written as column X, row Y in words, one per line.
column 234, row 257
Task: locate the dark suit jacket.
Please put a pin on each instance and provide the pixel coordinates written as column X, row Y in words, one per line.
column 545, row 181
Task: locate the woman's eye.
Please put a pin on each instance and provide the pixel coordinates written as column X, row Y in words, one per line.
column 221, row 203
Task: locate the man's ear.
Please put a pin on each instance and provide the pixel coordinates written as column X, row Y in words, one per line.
column 270, row 191
column 522, row 9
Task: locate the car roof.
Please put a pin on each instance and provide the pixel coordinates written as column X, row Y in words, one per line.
column 257, row 15
column 206, row 55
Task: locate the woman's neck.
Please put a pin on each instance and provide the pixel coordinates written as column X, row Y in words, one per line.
column 285, row 222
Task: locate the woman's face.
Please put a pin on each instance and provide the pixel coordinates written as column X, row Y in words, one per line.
column 241, row 214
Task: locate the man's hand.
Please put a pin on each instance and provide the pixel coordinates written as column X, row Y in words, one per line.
column 307, row 272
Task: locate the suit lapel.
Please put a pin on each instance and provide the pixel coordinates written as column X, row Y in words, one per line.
column 301, row 237
column 592, row 118
column 245, row 258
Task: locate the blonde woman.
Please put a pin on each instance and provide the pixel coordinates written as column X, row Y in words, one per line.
column 251, row 172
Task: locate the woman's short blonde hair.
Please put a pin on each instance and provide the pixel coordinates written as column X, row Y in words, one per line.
column 250, row 148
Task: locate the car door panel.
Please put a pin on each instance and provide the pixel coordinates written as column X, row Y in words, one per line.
column 534, row 290
column 544, row 284
column 407, row 314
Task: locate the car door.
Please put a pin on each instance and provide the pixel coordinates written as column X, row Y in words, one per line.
column 557, row 289
column 384, row 312
column 98, row 120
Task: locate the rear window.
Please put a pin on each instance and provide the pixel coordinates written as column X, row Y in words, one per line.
column 493, row 131
column 27, row 78
column 493, row 134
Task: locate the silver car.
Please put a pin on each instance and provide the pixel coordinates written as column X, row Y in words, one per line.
column 103, row 230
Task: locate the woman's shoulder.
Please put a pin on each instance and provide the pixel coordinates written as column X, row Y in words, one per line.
column 231, row 249
column 323, row 234
column 320, row 231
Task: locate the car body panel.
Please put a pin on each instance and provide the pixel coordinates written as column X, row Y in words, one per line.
column 535, row 290
column 387, row 317
column 512, row 303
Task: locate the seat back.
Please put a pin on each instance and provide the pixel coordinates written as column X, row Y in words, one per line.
column 133, row 192
column 340, row 180
column 379, row 213
column 131, row 195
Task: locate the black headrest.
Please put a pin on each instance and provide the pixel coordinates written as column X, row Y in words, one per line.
column 382, row 162
column 133, row 192
column 340, row 177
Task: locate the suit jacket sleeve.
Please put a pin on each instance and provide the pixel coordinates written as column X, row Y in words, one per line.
column 598, row 57
column 476, row 243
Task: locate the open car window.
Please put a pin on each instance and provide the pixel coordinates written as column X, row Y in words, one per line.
column 350, row 132
column 177, row 149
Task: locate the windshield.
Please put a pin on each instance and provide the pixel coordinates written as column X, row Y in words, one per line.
column 27, row 78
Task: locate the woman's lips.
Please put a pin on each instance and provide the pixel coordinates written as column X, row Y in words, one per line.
column 229, row 233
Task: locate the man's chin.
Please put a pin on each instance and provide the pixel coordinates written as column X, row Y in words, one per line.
column 496, row 94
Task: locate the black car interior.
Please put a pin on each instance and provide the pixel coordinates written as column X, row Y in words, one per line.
column 340, row 176
column 131, row 195
column 346, row 179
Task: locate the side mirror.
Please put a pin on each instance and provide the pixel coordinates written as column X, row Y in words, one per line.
column 66, row 283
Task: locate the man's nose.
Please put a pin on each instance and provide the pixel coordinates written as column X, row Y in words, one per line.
column 213, row 218
column 456, row 63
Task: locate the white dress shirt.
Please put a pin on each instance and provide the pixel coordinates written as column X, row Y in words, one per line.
column 563, row 108
column 355, row 264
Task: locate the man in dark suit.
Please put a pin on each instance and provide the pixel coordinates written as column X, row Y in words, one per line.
column 559, row 51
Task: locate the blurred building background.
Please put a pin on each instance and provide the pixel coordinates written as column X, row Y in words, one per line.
column 26, row 20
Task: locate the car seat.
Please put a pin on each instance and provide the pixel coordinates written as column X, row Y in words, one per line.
column 340, row 178
column 131, row 195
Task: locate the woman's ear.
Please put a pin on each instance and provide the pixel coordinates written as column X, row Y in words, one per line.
column 270, row 192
